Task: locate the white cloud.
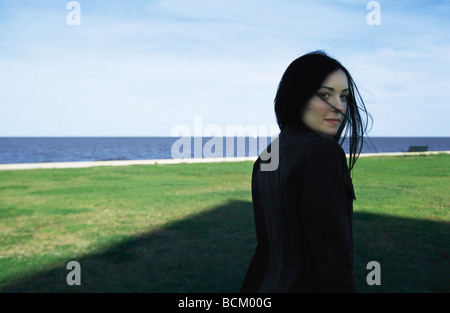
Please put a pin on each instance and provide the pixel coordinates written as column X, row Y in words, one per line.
column 142, row 69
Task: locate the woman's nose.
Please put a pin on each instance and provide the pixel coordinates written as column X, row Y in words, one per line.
column 339, row 105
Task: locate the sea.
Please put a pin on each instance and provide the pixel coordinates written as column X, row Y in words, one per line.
column 72, row 149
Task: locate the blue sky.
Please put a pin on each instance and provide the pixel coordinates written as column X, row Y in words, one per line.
column 140, row 68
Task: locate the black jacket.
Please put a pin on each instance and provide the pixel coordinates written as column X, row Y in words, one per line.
column 303, row 218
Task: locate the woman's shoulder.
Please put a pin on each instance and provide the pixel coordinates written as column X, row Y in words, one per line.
column 311, row 143
column 325, row 143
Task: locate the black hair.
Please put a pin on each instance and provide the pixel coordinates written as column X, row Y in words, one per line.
column 300, row 82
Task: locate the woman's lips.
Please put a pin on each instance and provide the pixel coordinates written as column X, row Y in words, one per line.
column 333, row 121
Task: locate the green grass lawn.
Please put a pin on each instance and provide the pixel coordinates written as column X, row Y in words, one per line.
column 189, row 227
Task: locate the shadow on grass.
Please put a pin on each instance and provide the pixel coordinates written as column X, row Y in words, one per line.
column 210, row 252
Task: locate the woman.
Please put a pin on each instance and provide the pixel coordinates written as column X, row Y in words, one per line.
column 303, row 209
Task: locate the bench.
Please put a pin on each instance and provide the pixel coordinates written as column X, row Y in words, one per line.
column 418, row 148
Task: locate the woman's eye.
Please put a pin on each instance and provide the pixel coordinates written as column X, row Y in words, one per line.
column 324, row 95
column 344, row 98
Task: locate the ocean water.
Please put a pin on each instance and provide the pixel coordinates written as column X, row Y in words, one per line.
column 71, row 149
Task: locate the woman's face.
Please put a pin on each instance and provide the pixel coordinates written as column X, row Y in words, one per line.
column 318, row 115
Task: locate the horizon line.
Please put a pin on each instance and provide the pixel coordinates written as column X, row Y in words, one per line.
column 167, row 136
